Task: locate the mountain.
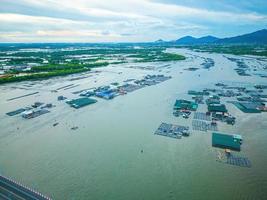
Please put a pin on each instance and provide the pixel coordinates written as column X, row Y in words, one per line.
column 207, row 39
column 159, row 41
column 192, row 40
column 186, row 40
column 258, row 37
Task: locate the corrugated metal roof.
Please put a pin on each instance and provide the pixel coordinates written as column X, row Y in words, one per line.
column 225, row 141
column 217, row 108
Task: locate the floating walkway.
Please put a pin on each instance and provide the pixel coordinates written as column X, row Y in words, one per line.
column 66, row 86
column 12, row 190
column 26, row 95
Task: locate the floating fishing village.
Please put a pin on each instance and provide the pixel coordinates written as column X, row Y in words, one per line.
column 104, row 92
column 150, row 108
column 133, row 100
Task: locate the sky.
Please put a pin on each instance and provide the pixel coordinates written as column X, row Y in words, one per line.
column 127, row 20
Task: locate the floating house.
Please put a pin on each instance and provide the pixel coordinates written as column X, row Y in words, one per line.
column 198, row 99
column 37, row 104
column 193, row 92
column 213, row 99
column 226, row 141
column 108, row 94
column 87, row 93
column 28, row 114
column 220, row 84
column 260, row 86
column 81, row 102
column 61, row 98
column 217, row 108
column 181, row 104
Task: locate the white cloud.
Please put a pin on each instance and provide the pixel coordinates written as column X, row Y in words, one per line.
column 117, row 20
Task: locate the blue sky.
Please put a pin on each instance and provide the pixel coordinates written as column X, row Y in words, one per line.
column 127, row 20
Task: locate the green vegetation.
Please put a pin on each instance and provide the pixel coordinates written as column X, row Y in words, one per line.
column 67, row 66
column 51, row 70
column 155, row 54
column 159, row 57
column 41, row 75
column 63, row 59
column 255, row 50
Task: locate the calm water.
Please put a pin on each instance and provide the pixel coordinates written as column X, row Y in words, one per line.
column 103, row 159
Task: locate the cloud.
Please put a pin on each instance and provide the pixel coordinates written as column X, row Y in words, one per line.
column 116, row 20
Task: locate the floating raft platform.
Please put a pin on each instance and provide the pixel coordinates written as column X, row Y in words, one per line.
column 32, row 114
column 247, row 107
column 202, row 116
column 238, row 161
column 203, row 126
column 129, row 87
column 173, row 131
column 16, row 112
column 26, row 95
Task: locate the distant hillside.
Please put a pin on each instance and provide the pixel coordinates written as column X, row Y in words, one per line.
column 159, row 41
column 186, row 40
column 192, row 40
column 258, row 37
column 207, row 39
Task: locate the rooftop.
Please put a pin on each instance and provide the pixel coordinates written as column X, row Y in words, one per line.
column 81, row 102
column 225, row 141
column 217, row 108
column 184, row 104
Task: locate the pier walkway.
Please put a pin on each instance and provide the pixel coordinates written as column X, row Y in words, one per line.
column 12, row 190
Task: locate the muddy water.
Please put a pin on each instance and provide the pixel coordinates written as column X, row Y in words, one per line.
column 102, row 159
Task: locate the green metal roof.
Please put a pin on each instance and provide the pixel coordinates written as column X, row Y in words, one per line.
column 184, row 104
column 217, row 108
column 80, row 102
column 193, row 92
column 243, row 108
column 225, row 141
